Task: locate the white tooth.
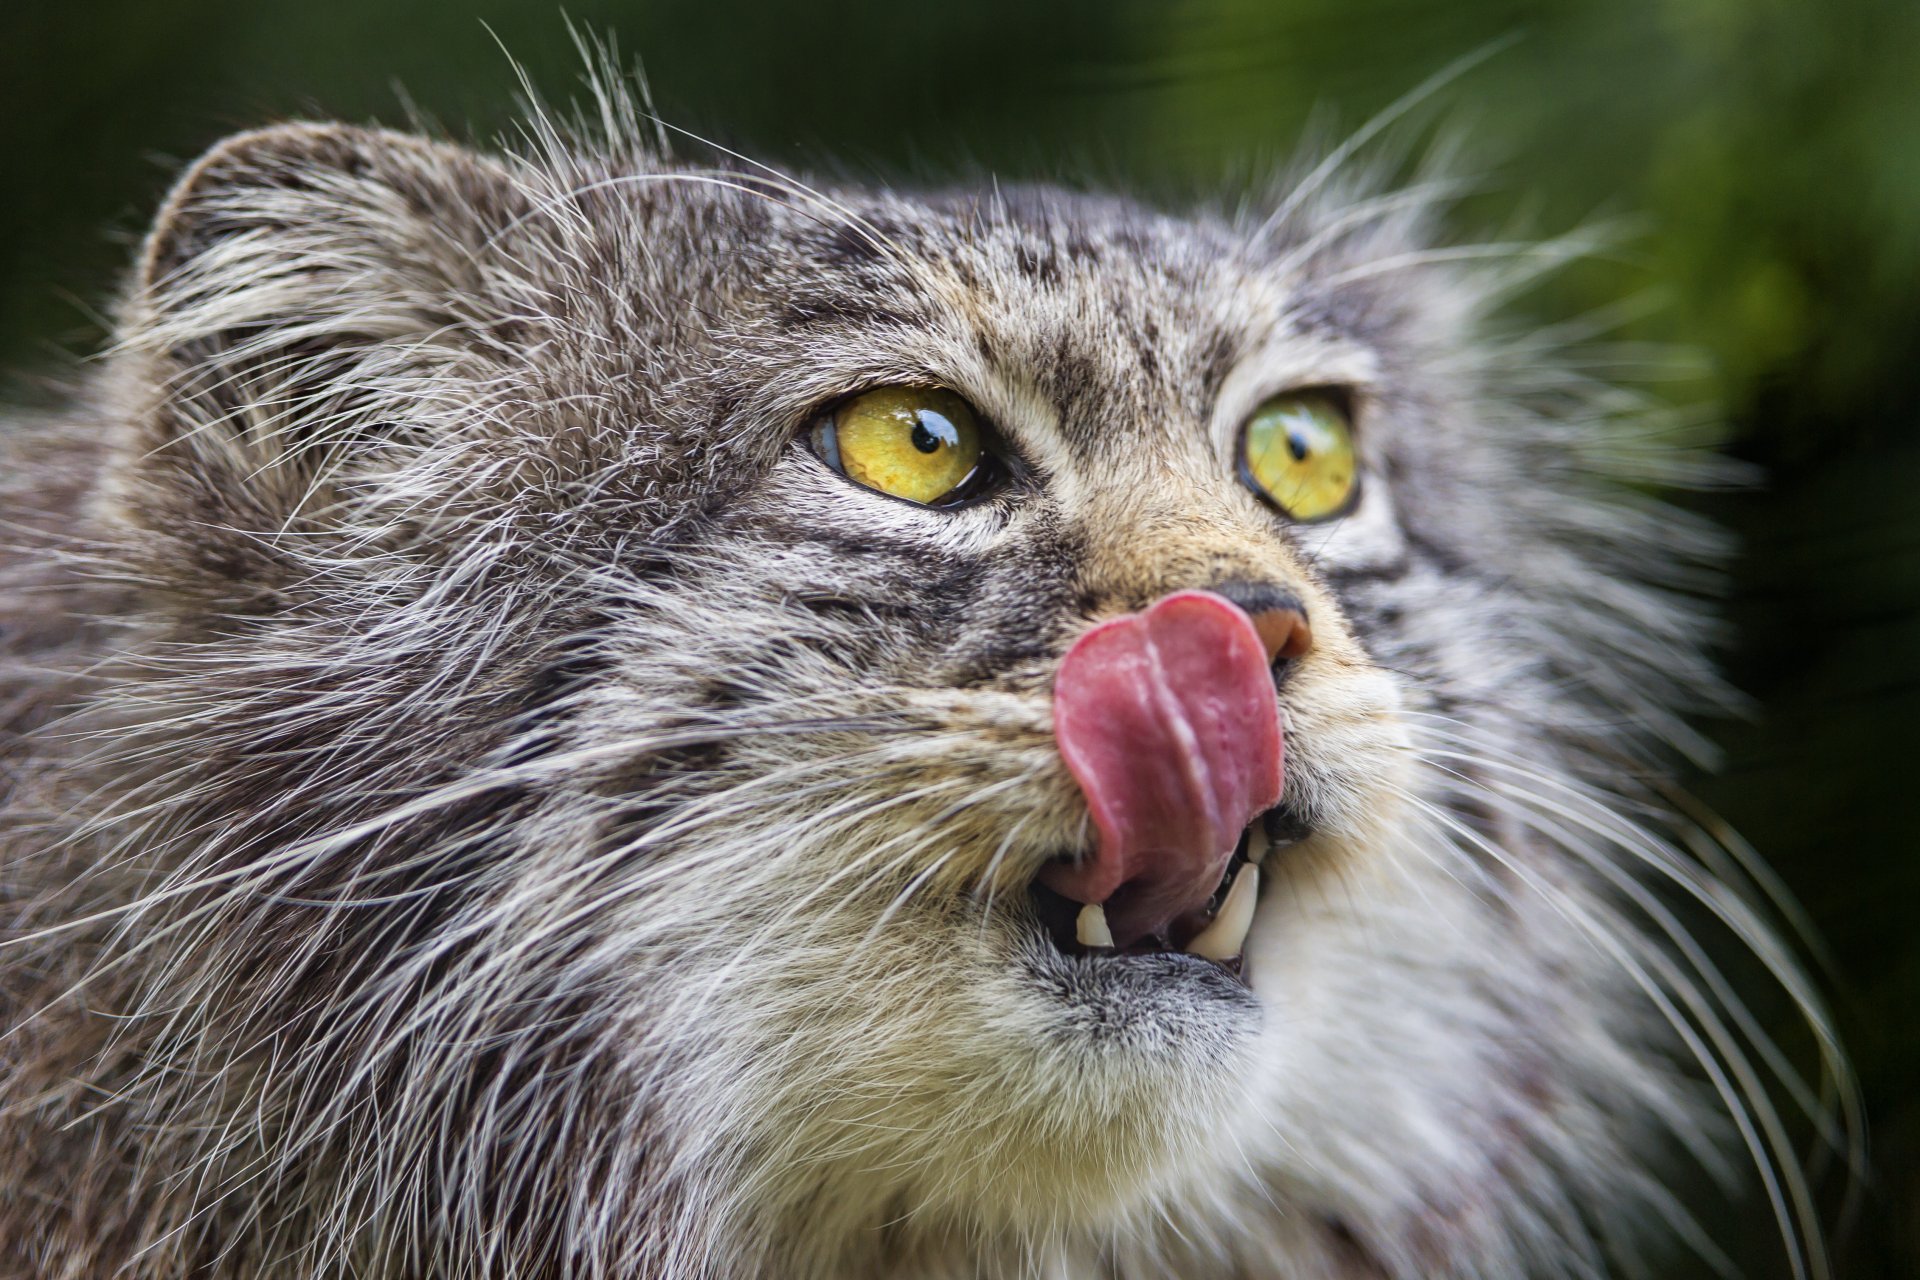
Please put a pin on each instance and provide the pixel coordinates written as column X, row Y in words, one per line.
column 1286, row 721
column 1257, row 842
column 1091, row 927
column 1223, row 939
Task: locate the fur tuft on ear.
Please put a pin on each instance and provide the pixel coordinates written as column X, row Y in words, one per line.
column 303, row 291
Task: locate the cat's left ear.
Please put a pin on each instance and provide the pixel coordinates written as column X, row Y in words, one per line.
column 294, row 273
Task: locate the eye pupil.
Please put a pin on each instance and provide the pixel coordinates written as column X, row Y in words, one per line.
column 1297, row 446
column 924, row 440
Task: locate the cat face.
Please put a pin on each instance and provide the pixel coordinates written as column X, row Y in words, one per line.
column 645, row 805
column 1115, row 358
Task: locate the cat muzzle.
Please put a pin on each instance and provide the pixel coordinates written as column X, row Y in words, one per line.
column 1169, row 722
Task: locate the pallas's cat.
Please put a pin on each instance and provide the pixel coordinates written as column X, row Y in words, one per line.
column 569, row 713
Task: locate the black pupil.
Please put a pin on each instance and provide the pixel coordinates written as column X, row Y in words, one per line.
column 931, row 430
column 1296, row 445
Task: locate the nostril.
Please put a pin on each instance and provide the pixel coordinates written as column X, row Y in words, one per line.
column 1284, row 632
column 1277, row 615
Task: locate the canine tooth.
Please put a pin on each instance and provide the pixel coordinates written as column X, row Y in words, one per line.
column 1091, row 927
column 1286, row 721
column 1223, row 939
column 1257, row 842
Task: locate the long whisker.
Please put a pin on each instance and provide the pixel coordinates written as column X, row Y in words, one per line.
column 1741, row 1100
column 1565, row 799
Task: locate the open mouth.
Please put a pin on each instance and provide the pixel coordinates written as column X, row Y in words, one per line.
column 1216, row 932
column 1167, row 721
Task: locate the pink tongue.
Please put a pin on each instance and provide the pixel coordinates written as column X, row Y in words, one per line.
column 1168, row 721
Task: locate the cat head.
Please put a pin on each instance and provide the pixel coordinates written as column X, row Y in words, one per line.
column 610, row 628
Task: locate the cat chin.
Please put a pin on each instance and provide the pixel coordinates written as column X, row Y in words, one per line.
column 1118, row 1089
column 1021, row 1091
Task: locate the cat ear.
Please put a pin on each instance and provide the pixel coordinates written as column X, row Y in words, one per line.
column 302, row 288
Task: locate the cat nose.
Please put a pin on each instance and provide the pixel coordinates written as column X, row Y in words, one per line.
column 1277, row 615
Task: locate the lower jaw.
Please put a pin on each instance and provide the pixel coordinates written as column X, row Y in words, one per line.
column 1059, row 918
column 1215, row 934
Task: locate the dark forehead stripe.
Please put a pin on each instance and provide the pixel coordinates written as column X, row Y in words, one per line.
column 1218, row 357
column 835, row 309
column 849, row 273
column 1125, row 328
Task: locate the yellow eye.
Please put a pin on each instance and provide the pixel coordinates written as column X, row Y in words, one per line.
column 1297, row 451
column 918, row 443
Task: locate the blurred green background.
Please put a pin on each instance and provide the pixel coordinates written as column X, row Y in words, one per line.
column 1769, row 151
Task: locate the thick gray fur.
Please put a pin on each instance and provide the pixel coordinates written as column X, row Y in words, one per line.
column 479, row 799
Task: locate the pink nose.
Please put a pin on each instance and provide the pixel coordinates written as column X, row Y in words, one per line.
column 1168, row 721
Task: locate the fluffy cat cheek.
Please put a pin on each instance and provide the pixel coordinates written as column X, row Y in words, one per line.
column 1349, row 754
